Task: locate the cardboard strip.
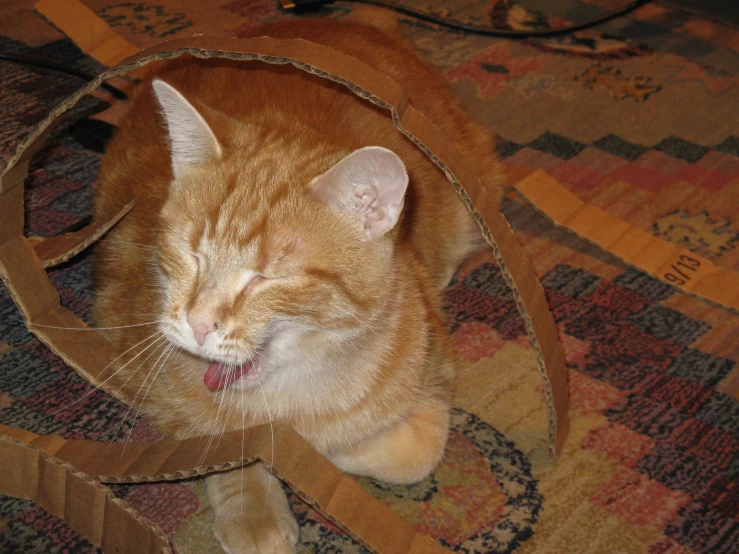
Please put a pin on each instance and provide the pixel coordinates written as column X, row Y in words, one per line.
column 685, row 270
column 87, row 30
column 88, row 507
column 25, row 456
column 300, row 466
column 541, row 329
column 59, row 249
column 98, row 40
column 381, row 90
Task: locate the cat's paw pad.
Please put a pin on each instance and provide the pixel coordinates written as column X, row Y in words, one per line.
column 245, row 536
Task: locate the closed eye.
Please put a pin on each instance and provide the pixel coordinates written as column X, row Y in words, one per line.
column 254, row 281
column 199, row 260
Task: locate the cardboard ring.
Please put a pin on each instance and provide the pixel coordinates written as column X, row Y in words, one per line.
column 36, row 298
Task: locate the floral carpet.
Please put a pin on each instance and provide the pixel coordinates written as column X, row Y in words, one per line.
column 639, row 117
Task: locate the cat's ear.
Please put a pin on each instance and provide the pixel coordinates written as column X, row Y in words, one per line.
column 369, row 182
column 192, row 140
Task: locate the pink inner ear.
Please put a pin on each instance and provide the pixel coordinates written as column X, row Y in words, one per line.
column 192, row 141
column 370, row 182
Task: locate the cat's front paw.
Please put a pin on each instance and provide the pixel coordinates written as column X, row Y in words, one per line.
column 243, row 535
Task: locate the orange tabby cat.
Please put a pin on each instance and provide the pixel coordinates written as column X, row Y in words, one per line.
column 284, row 260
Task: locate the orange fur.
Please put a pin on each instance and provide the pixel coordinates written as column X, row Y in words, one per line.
column 364, row 372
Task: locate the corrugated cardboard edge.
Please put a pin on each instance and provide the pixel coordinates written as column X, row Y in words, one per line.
column 82, row 501
column 87, row 30
column 689, row 272
column 39, row 302
column 382, row 91
column 56, row 250
column 24, row 457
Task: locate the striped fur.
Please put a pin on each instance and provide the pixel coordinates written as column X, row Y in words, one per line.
column 347, row 331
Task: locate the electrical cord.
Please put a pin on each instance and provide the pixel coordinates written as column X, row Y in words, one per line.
column 55, row 66
column 95, row 134
column 301, row 6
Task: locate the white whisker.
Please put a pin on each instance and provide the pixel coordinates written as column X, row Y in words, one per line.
column 138, row 411
column 114, row 240
column 141, row 386
column 162, row 342
column 229, row 404
column 88, row 393
column 272, row 431
column 89, row 328
column 213, row 430
column 243, row 424
column 370, row 326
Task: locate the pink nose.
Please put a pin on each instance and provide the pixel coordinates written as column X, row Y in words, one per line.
column 201, row 324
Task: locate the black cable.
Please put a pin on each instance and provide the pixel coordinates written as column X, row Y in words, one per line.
column 95, row 134
column 55, row 66
column 304, row 5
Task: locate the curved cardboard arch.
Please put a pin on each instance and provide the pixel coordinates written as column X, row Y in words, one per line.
column 22, row 265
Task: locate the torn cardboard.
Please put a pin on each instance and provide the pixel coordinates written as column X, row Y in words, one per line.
column 315, row 480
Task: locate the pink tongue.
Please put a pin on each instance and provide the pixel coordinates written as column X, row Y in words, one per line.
column 218, row 376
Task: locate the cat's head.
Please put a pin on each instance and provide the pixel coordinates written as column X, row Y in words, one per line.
column 268, row 258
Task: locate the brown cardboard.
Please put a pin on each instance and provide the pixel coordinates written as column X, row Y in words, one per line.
column 689, row 272
column 337, row 496
column 87, row 30
column 55, row 473
column 384, row 92
column 59, row 249
column 87, row 506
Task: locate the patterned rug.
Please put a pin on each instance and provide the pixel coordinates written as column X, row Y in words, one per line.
column 639, row 118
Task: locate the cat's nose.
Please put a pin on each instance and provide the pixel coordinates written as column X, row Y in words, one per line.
column 201, row 324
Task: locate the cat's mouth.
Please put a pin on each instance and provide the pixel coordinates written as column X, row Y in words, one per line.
column 219, row 375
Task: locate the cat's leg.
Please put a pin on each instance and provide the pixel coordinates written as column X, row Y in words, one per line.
column 243, row 525
column 404, row 453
